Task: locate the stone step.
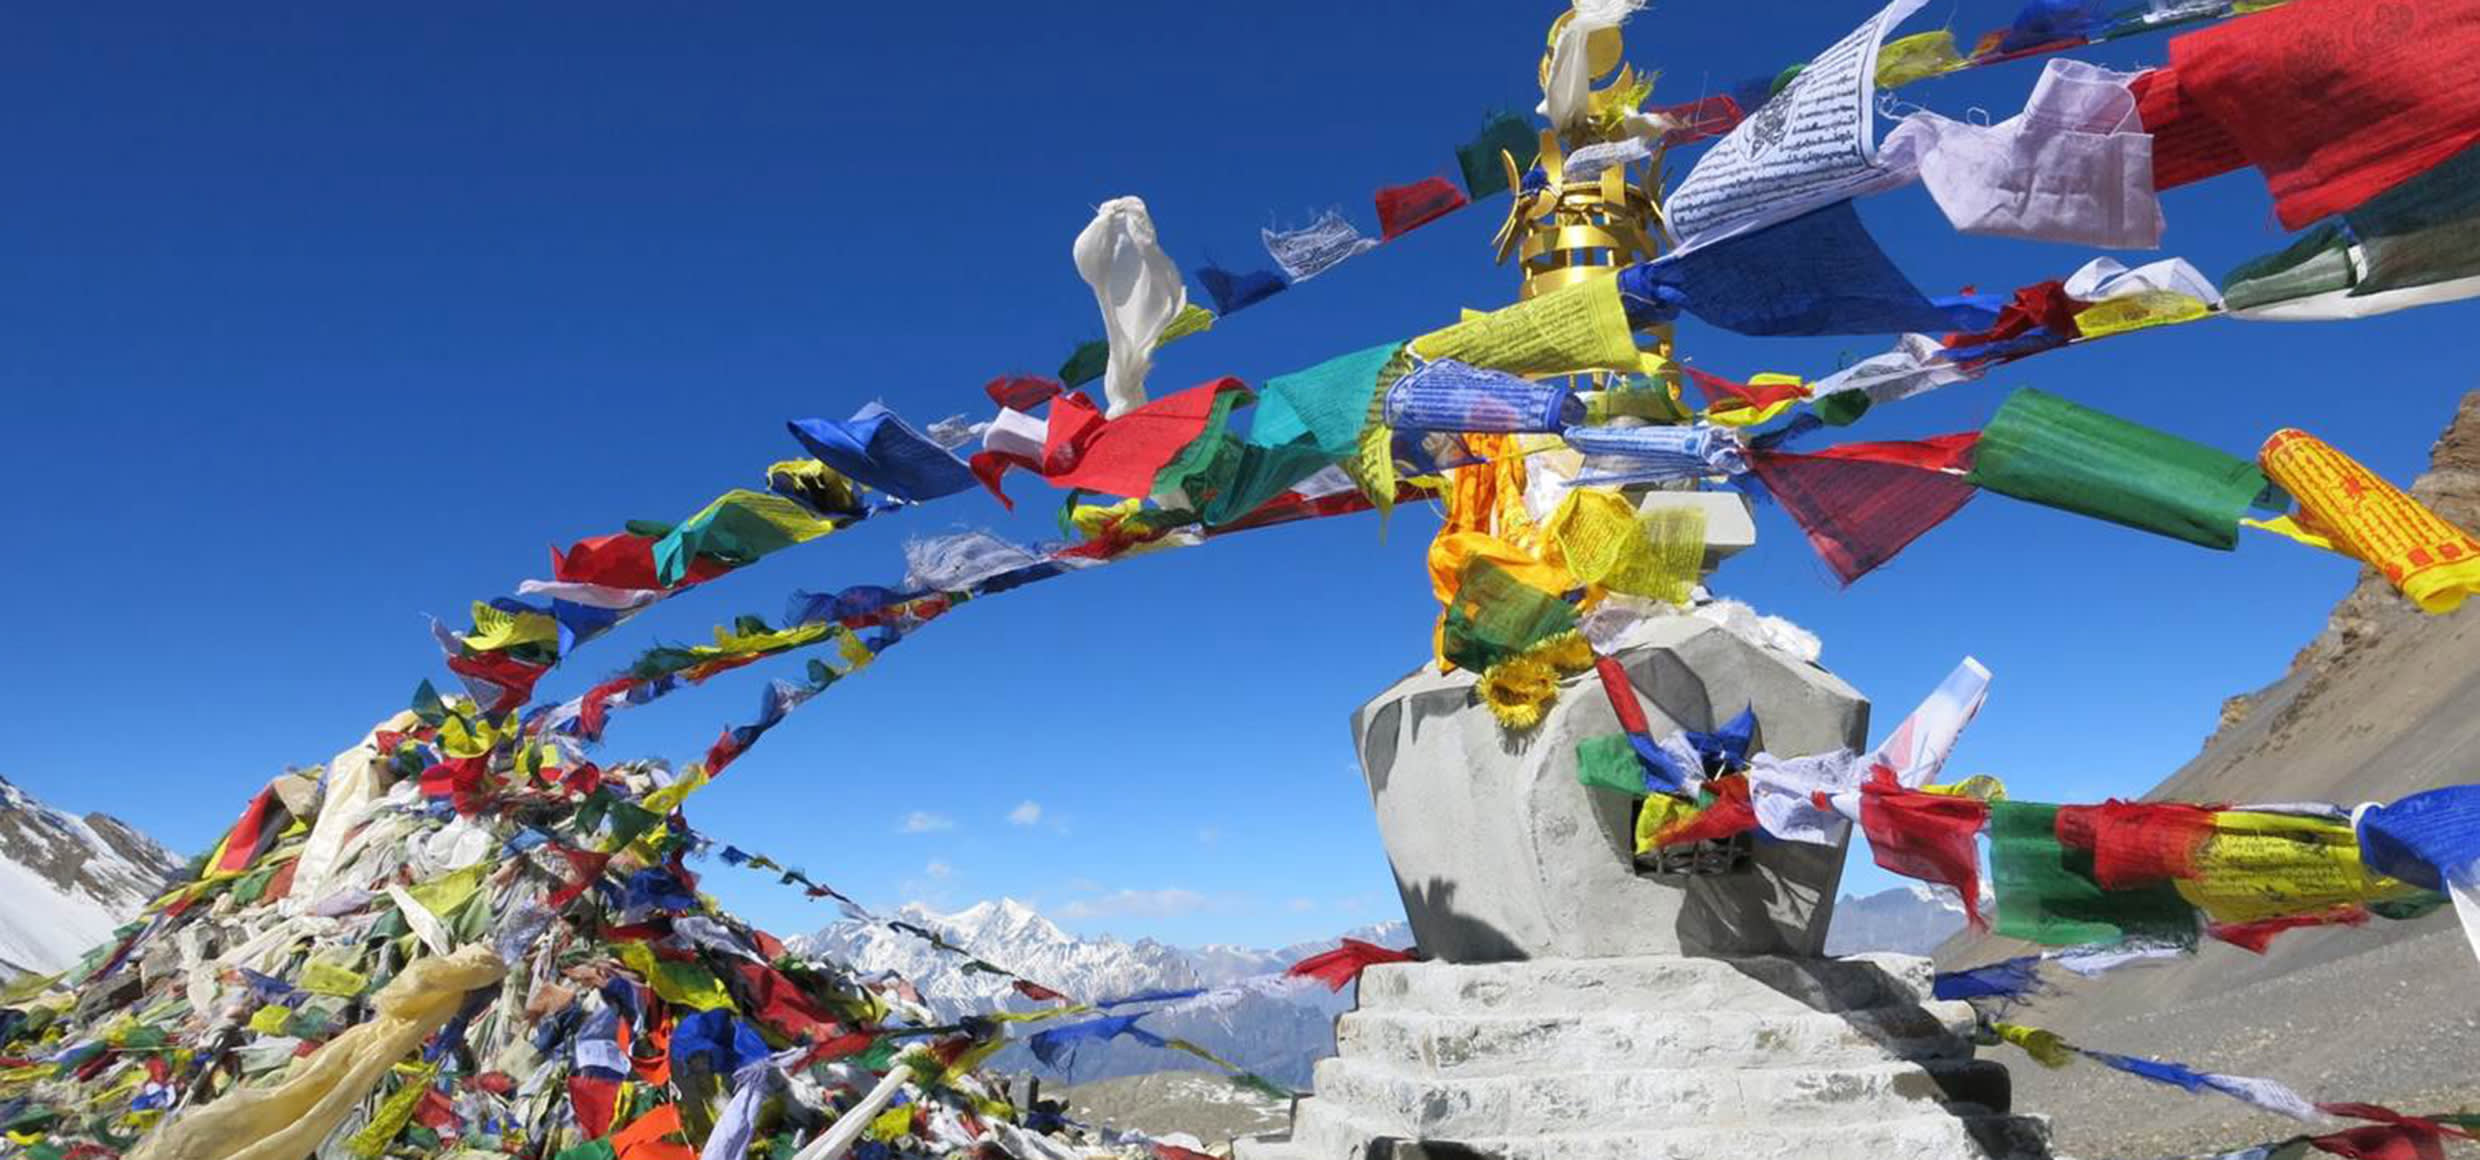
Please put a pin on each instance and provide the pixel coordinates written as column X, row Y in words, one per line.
column 1759, row 985
column 1322, row 1133
column 1427, row 1107
column 1458, row 1046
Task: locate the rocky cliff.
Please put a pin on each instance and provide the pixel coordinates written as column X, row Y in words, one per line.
column 67, row 881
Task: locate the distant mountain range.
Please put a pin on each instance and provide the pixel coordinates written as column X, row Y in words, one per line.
column 66, row 882
column 1277, row 1032
column 1911, row 919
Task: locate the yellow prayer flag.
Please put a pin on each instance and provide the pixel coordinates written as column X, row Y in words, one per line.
column 442, row 895
column 1192, row 319
column 498, row 628
column 2256, row 866
column 2433, row 562
column 270, row 1019
column 680, row 984
column 1576, row 328
column 2043, row 1046
column 321, row 977
column 1660, row 812
column 892, row 1124
column 2138, row 311
column 1917, row 58
column 1602, row 539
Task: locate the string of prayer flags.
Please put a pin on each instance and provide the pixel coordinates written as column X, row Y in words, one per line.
column 1329, row 403
column 2266, row 865
column 2346, row 508
column 2137, row 844
column 1308, row 251
column 2046, row 450
column 1918, row 57
column 2257, row 937
column 2330, row 130
column 2413, row 245
column 2015, row 978
column 1405, row 208
column 1818, row 273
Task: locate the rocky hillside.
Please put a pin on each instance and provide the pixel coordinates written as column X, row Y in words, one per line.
column 1275, row 1031
column 1911, row 919
column 67, row 881
column 2383, row 703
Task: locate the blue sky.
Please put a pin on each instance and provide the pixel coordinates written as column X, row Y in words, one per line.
column 319, row 320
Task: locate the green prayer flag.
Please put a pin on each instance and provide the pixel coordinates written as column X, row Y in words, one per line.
column 1609, row 762
column 2318, row 263
column 1195, row 460
column 1484, row 173
column 1086, row 363
column 1496, row 616
column 2424, row 231
column 2047, row 895
column 1244, row 476
column 590, row 1150
column 2046, row 450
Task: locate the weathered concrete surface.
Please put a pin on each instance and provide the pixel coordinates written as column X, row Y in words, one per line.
column 1501, row 855
column 1657, row 1056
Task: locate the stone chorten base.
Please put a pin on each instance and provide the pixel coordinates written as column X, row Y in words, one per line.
column 1655, row 1058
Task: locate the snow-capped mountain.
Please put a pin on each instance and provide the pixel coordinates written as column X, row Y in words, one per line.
column 1909, row 919
column 1277, row 1031
column 66, row 882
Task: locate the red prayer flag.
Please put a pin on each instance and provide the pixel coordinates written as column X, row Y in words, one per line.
column 2390, row 1142
column 2042, row 304
column 1036, row 991
column 250, row 836
column 1701, row 119
column 2256, row 936
column 1622, row 694
column 1931, row 837
column 1405, row 208
column 1859, row 512
column 2187, row 145
column 593, row 1099
column 1719, row 390
column 2138, row 844
column 1345, row 963
column 1122, row 456
column 623, row 560
column 1022, row 392
column 2336, row 101
column 1730, row 814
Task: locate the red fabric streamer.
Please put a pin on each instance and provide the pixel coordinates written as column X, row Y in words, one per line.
column 1345, row 963
column 1931, row 837
column 2256, row 936
column 1622, row 694
column 1719, row 390
column 622, row 560
column 2399, row 1137
column 593, row 1099
column 1731, row 814
column 1122, row 456
column 2137, row 844
column 512, row 677
column 1405, row 208
column 1701, row 119
column 2187, row 145
column 1022, row 392
column 2336, row 101
column 251, row 834
column 1935, row 453
column 1037, row 992
column 2042, row 304
column 1858, row 512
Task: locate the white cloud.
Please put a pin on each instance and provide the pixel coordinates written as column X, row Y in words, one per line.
column 925, row 822
column 1165, row 903
column 1084, row 886
column 938, row 869
column 1025, row 814
column 1299, row 905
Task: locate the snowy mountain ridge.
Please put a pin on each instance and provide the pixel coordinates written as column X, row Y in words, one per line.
column 1277, row 1032
column 66, row 882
